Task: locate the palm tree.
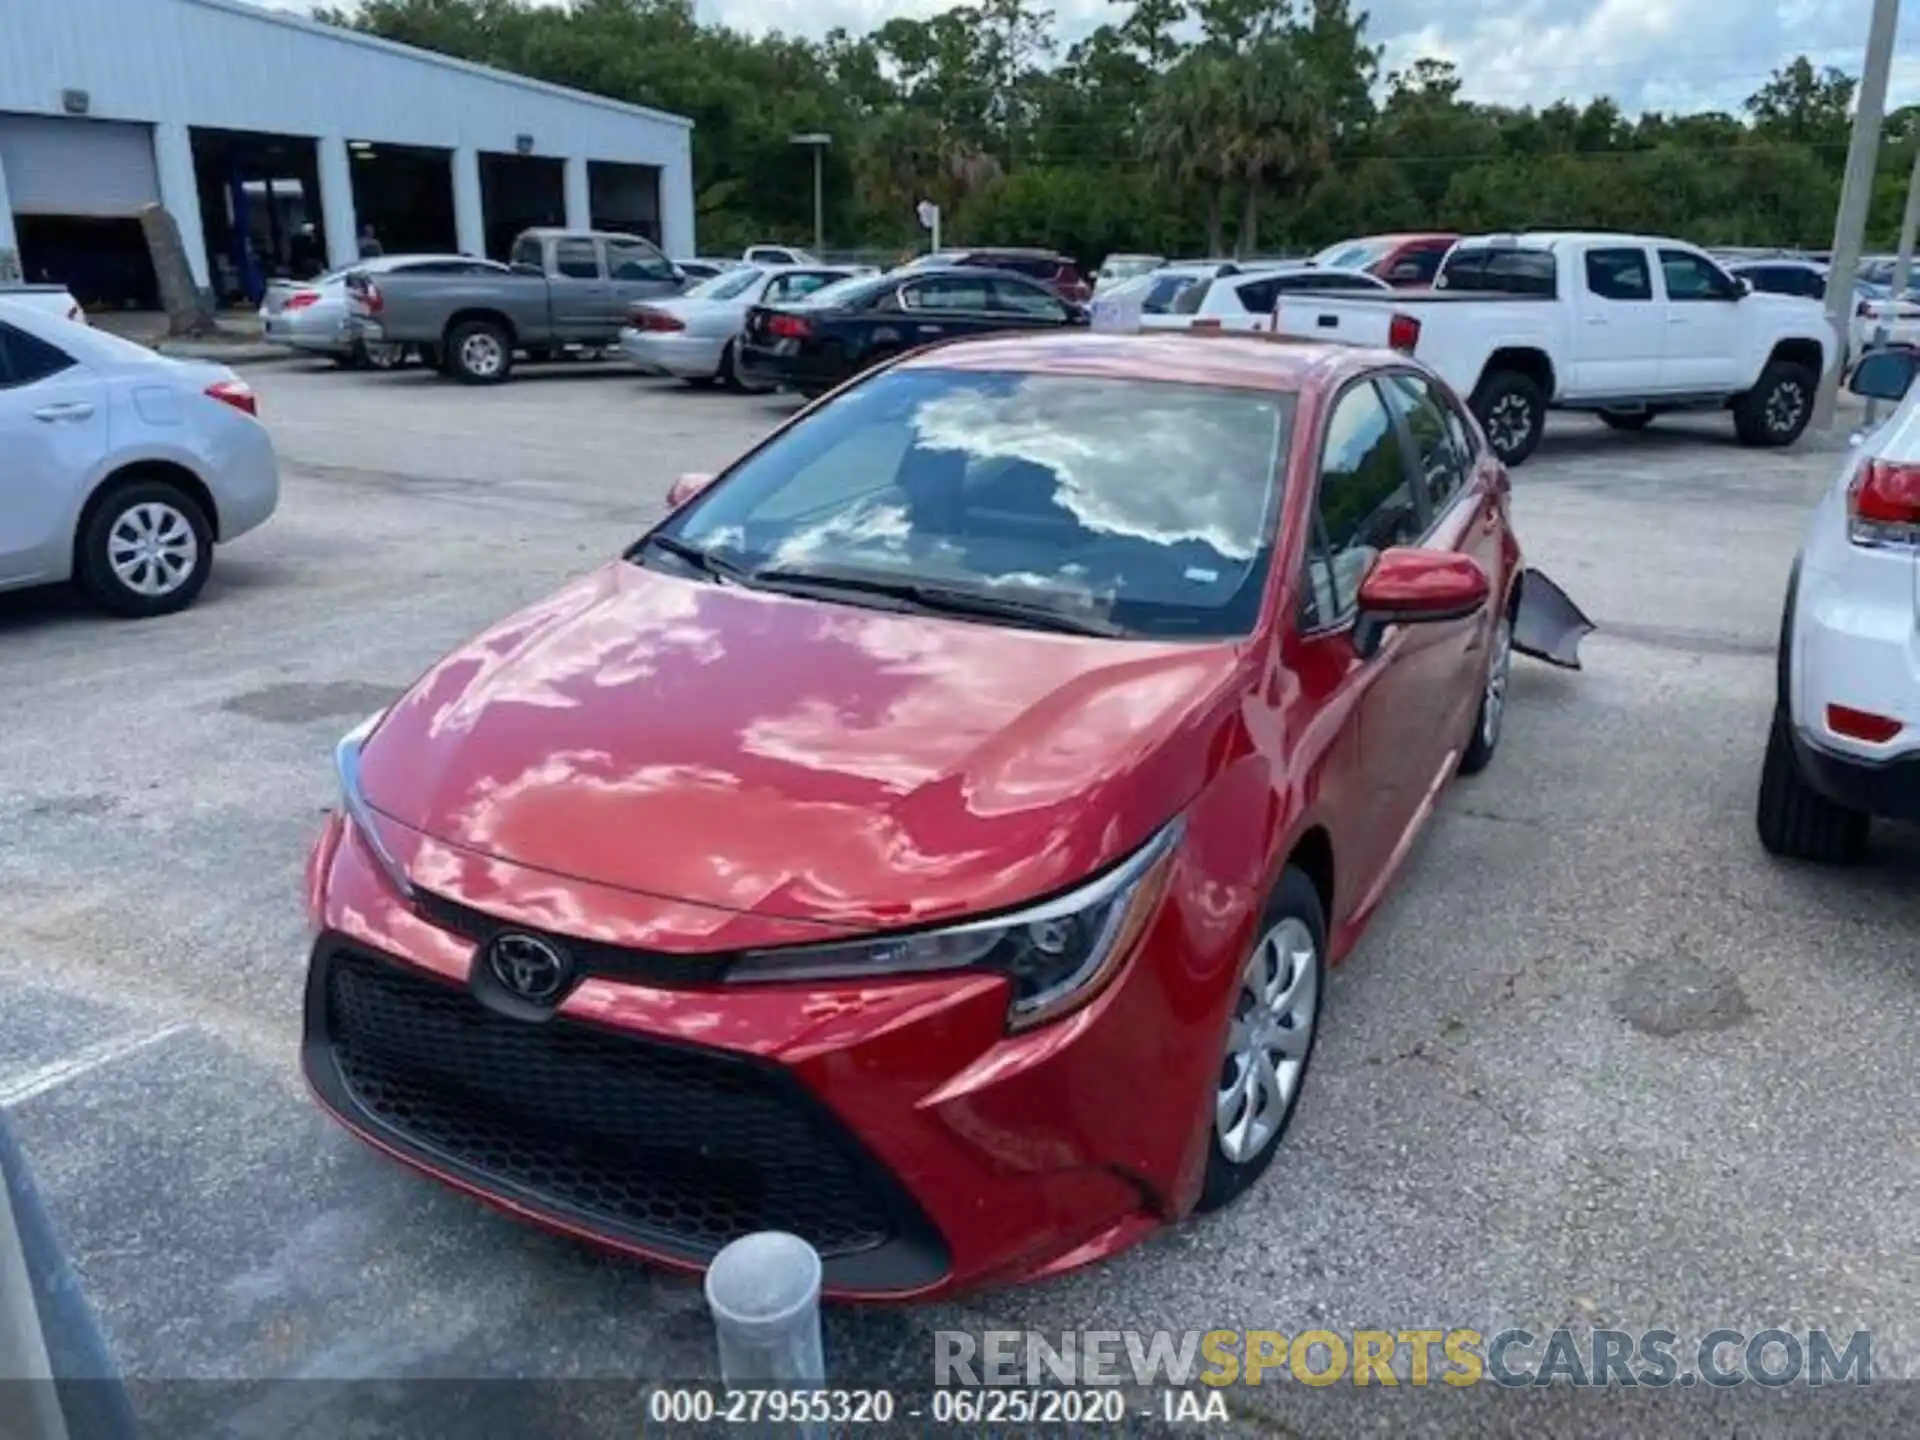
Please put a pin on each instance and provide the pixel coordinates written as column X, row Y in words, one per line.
column 1281, row 133
column 1189, row 133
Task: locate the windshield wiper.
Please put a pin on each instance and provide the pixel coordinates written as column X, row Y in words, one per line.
column 705, row 561
column 939, row 599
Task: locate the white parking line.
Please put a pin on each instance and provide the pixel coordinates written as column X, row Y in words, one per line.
column 22, row 1088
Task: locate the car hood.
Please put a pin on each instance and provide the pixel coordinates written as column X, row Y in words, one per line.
column 793, row 758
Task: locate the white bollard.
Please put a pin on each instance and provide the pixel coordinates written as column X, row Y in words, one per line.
column 764, row 1292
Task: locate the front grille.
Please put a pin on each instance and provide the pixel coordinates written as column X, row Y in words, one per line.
column 673, row 1147
column 593, row 957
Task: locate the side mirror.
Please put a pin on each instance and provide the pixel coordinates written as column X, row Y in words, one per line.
column 1884, row 374
column 686, row 487
column 1416, row 587
column 1742, row 287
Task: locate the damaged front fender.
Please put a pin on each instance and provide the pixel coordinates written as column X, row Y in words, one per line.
column 1549, row 626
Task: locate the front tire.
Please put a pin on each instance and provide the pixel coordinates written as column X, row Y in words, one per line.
column 1490, row 718
column 1776, row 411
column 479, row 352
column 1270, row 1036
column 1797, row 822
column 729, row 372
column 1512, row 409
column 146, row 550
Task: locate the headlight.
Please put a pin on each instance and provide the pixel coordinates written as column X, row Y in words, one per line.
column 1059, row 955
column 353, row 801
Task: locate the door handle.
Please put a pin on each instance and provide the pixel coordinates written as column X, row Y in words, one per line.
column 1676, row 319
column 1596, row 319
column 64, row 410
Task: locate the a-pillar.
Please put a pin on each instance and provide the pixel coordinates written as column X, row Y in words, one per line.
column 180, row 194
column 336, row 201
column 469, row 213
column 579, row 194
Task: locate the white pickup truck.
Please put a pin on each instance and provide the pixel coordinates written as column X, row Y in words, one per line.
column 50, row 299
column 1623, row 326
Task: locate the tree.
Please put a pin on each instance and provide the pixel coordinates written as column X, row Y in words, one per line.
column 1804, row 105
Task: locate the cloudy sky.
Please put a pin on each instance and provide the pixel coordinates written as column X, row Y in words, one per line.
column 1650, row 54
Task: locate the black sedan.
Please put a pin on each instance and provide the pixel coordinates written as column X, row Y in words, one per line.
column 837, row 332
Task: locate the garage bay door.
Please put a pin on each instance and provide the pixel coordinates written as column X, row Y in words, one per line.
column 56, row 166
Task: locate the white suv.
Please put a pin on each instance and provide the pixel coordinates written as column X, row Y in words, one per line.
column 1845, row 743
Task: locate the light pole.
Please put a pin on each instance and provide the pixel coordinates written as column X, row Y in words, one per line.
column 817, row 142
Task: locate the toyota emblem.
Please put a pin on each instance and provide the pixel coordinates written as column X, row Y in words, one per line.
column 528, row 967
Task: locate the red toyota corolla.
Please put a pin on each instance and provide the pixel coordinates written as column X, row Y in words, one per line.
column 930, row 839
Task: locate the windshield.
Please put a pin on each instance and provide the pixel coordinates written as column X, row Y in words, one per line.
column 831, row 294
column 727, row 284
column 1126, row 267
column 1149, row 505
column 1350, row 255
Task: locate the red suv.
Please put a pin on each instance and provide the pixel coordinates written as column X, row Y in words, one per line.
column 1049, row 267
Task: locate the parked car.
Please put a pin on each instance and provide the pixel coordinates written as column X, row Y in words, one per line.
column 777, row 255
column 1245, row 300
column 1625, row 326
column 1403, row 261
column 1844, row 744
column 52, row 299
column 565, row 289
column 123, row 468
column 1124, row 266
column 810, row 348
column 1038, row 714
column 696, row 336
column 313, row 316
column 1049, row 267
column 1876, row 312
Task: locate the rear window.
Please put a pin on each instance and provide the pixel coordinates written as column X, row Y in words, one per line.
column 1351, row 255
column 1500, row 271
column 1148, row 505
column 1189, row 300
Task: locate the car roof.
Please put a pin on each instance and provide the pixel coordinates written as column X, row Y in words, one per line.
column 99, row 348
column 1280, row 365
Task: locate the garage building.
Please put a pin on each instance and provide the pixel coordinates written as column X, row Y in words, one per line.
column 273, row 139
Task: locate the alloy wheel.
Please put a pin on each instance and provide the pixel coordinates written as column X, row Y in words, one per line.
column 1785, row 406
column 1510, row 423
column 482, row 355
column 1267, row 1042
column 152, row 549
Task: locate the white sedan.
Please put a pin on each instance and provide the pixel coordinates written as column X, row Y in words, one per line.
column 123, row 468
column 1845, row 740
column 695, row 336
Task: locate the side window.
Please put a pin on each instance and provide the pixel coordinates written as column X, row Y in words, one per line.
column 526, row 251
column 1619, row 274
column 1189, row 300
column 948, row 292
column 1366, row 503
column 576, row 259
column 1419, row 268
column 1442, row 461
column 25, row 359
column 806, row 282
column 637, row 260
column 1690, row 277
column 1257, row 297
column 1812, row 284
column 1028, row 300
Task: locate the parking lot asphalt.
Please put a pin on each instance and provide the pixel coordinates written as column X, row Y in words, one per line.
column 1599, row 1062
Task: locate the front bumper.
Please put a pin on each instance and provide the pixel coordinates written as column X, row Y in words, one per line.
column 895, row 1124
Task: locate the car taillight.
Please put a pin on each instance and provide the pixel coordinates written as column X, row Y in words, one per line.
column 1862, row 724
column 1883, row 504
column 236, row 393
column 656, row 320
column 789, row 327
column 1403, row 333
column 1206, row 322
column 301, row 299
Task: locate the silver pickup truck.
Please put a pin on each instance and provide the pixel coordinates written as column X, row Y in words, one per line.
column 566, row 290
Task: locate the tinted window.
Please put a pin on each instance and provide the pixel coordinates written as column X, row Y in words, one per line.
column 1189, row 300
column 637, row 260
column 26, row 358
column 1029, row 300
column 946, row 292
column 1257, row 296
column 1504, row 272
column 1442, row 461
column 1162, row 294
column 1367, row 502
column 526, row 251
column 1308, row 280
column 1692, row 277
column 576, row 259
column 1619, row 274
column 1416, row 268
column 1149, row 504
